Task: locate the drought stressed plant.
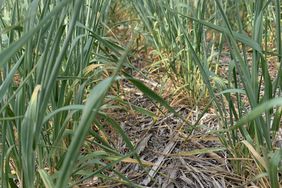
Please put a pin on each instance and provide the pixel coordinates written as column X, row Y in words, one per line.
column 168, row 35
column 261, row 87
column 246, row 94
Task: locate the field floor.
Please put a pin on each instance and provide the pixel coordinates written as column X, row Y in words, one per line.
column 176, row 155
